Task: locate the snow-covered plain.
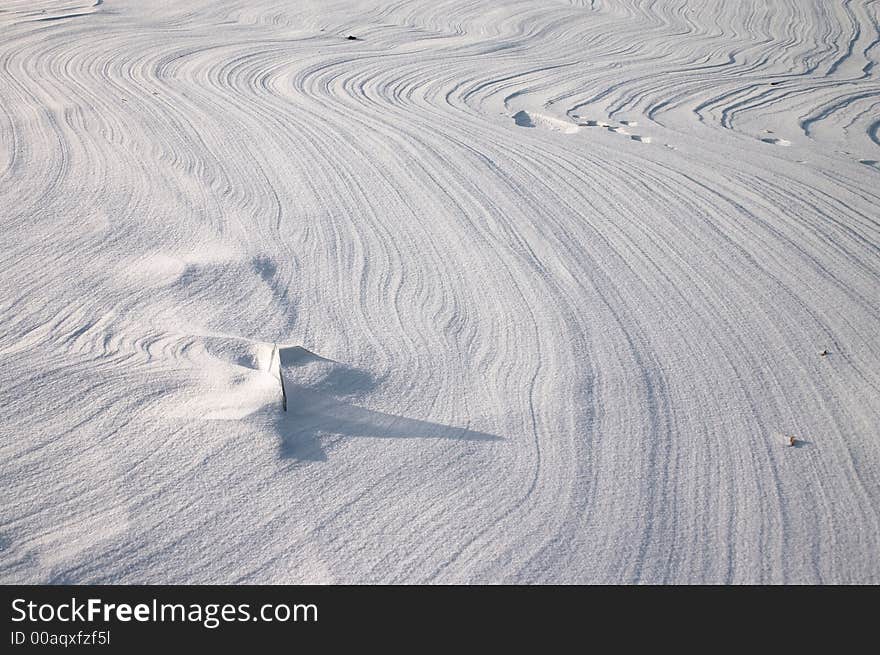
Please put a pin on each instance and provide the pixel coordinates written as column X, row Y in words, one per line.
column 547, row 283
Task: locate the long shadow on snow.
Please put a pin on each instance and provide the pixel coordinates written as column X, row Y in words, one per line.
column 320, row 409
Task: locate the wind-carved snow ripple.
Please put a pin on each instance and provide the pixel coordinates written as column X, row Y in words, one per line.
column 610, row 237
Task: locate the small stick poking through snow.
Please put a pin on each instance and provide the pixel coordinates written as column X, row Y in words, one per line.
column 273, row 358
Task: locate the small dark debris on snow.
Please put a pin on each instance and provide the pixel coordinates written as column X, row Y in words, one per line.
column 351, row 37
column 775, row 83
column 823, row 353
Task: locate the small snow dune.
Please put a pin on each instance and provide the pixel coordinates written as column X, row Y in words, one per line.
column 620, row 128
column 530, row 119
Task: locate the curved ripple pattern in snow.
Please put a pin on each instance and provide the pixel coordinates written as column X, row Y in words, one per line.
column 573, row 263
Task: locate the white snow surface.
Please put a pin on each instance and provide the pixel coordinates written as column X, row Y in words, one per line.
column 547, row 282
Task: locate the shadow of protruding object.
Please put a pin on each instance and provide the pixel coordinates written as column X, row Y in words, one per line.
column 318, row 392
column 523, row 119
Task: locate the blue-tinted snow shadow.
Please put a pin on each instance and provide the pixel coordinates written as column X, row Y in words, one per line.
column 325, row 408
